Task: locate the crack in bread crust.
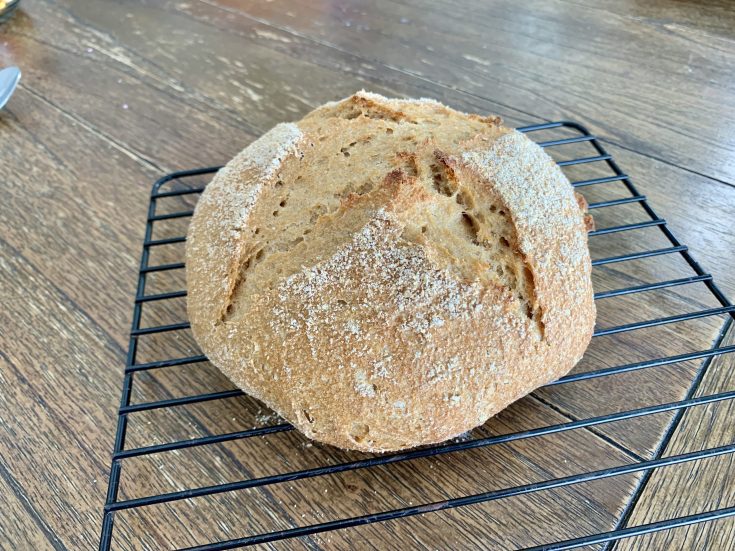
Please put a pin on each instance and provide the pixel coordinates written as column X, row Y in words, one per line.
column 476, row 232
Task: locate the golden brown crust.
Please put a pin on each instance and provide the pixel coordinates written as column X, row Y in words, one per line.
column 408, row 310
column 589, row 221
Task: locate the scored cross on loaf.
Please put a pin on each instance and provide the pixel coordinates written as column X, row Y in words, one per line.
column 388, row 273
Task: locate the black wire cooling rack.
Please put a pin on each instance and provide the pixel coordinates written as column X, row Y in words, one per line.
column 176, row 186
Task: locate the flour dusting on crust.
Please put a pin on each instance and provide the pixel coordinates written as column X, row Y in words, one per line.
column 398, row 242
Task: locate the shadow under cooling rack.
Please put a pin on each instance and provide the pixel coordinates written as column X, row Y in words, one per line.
column 661, row 322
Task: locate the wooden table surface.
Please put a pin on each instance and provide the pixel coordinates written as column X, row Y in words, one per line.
column 116, row 93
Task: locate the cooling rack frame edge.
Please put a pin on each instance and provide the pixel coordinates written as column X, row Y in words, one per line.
column 621, row 529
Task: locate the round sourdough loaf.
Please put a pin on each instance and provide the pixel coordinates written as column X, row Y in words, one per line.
column 388, row 273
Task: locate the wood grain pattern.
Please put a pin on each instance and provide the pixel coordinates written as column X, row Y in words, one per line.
column 21, row 522
column 695, row 487
column 504, row 54
column 116, row 93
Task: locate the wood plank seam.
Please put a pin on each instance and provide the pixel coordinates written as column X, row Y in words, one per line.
column 416, row 76
column 59, row 421
column 37, row 519
column 613, row 443
column 196, row 422
column 140, row 75
column 139, row 158
column 405, row 72
column 107, row 337
column 663, row 495
column 671, row 429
